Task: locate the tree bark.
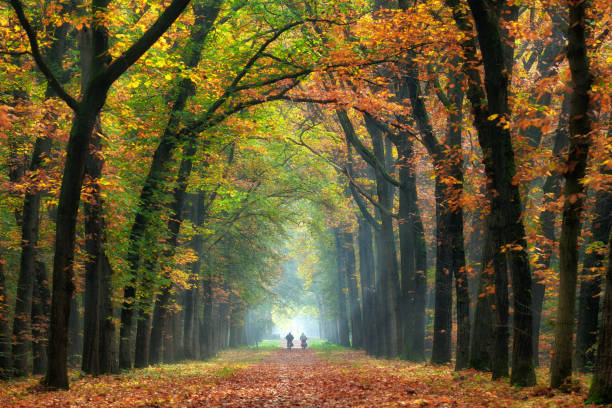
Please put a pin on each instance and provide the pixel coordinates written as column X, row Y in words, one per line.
column 481, row 347
column 387, row 287
column 579, row 143
column 29, row 219
column 366, row 272
column 351, row 279
column 591, row 280
column 98, row 274
column 41, row 300
column 601, row 387
column 5, row 334
column 343, row 326
column 552, row 190
column 503, row 194
column 197, row 244
column 143, row 333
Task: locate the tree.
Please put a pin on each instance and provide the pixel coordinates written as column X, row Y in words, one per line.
column 601, row 387
column 86, row 111
column 491, row 119
column 579, row 142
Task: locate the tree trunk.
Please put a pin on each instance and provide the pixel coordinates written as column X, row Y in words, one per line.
column 450, row 259
column 159, row 325
column 29, row 220
column 175, row 221
column 168, row 343
column 41, row 300
column 75, row 333
column 97, row 289
column 343, row 326
column 453, row 192
column 413, row 254
column 197, row 244
column 351, row 279
column 601, row 386
column 107, row 349
column 5, row 334
column 143, row 335
column 206, row 339
column 590, row 286
column 490, row 116
column 579, row 143
column 492, row 263
column 189, row 325
column 387, row 287
column 551, row 189
column 366, row 272
column 441, row 351
column 499, row 361
column 22, row 331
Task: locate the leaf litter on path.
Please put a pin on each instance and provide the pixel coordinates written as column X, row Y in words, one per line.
column 282, row 378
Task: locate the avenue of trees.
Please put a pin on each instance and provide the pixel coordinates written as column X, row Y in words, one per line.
column 433, row 179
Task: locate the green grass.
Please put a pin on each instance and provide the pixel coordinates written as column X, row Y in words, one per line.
column 266, row 345
column 323, row 345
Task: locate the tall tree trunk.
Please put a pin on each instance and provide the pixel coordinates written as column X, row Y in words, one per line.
column 413, row 258
column 159, row 325
column 168, row 344
column 499, row 362
column 22, row 331
column 175, row 221
column 5, row 334
column 206, row 339
column 601, row 386
column 197, row 244
column 75, row 332
column 579, row 143
column 450, row 259
column 491, row 111
column 343, row 326
column 551, row 189
column 96, row 283
column 481, row 347
column 107, row 349
column 441, row 351
column 387, row 268
column 143, row 334
column 351, row 280
column 29, row 217
column 366, row 273
column 455, row 235
column 590, row 285
column 190, row 321
column 41, row 300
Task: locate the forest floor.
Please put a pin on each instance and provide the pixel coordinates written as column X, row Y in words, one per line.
column 326, row 376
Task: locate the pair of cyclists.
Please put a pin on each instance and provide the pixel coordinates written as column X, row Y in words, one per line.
column 289, row 337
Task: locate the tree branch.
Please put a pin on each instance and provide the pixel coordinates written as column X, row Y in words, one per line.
column 364, row 152
column 132, row 54
column 38, row 58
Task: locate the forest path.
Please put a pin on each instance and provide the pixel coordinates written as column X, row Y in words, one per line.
column 328, row 376
column 300, row 378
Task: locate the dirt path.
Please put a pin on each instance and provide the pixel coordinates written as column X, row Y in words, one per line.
column 330, row 377
column 299, row 378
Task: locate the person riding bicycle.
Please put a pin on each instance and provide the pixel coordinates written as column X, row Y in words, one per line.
column 289, row 337
column 303, row 339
